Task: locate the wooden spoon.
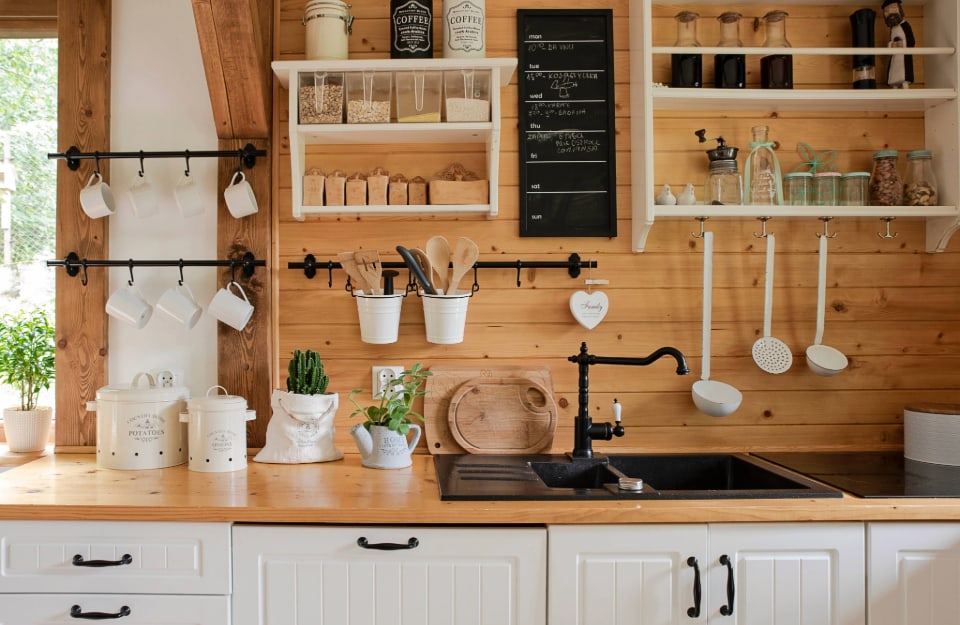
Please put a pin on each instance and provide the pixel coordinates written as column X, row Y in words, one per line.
column 438, row 251
column 349, row 263
column 368, row 264
column 465, row 254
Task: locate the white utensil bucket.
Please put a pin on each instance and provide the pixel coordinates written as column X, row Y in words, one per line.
column 217, row 432
column 379, row 317
column 445, row 317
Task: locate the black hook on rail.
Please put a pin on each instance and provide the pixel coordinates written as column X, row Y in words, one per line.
column 247, row 155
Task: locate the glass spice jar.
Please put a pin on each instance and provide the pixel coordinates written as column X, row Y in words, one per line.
column 686, row 69
column 886, row 186
column 729, row 70
column 776, row 70
column 920, row 183
column 825, row 187
column 854, row 188
column 796, row 188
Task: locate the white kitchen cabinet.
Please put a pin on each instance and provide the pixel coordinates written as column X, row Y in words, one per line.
column 388, row 575
column 782, row 574
column 164, row 573
column 913, row 574
column 937, row 99
column 485, row 133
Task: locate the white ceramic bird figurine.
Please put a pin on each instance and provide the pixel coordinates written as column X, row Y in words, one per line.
column 666, row 197
column 687, row 197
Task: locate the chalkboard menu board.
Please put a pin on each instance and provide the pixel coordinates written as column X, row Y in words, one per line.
column 567, row 149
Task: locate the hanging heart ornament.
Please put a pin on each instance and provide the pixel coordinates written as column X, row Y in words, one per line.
column 589, row 309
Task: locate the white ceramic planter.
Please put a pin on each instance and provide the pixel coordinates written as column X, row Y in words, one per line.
column 27, row 430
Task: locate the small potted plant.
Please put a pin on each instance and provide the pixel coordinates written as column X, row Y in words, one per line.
column 301, row 428
column 27, row 354
column 382, row 437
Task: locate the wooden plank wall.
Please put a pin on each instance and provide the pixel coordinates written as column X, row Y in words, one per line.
column 891, row 307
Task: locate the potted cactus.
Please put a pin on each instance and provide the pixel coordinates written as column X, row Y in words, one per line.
column 301, row 428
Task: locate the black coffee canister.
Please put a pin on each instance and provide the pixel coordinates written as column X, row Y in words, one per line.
column 862, row 35
column 411, row 29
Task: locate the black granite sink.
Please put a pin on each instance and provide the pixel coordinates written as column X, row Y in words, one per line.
column 654, row 476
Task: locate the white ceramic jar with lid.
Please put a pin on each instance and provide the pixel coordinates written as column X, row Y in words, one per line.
column 217, row 431
column 328, row 24
column 464, row 29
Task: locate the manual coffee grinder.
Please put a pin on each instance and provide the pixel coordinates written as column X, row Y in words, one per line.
column 724, row 183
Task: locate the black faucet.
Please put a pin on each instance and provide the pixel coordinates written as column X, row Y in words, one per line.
column 585, row 430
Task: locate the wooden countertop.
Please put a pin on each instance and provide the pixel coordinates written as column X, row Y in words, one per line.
column 71, row 487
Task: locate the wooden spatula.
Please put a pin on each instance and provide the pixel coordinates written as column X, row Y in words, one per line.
column 438, row 251
column 349, row 263
column 368, row 264
column 465, row 254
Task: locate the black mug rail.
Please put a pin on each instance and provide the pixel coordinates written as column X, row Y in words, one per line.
column 573, row 265
column 75, row 265
column 124, row 559
column 247, row 155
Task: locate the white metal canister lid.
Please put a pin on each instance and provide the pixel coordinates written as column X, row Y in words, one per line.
column 136, row 391
column 217, row 402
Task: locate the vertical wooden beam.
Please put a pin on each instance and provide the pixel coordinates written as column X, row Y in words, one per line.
column 245, row 359
column 83, row 121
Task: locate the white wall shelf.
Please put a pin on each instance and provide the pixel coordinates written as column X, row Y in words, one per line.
column 486, row 133
column 937, row 99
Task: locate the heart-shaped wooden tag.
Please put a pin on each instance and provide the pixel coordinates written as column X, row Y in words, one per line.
column 589, row 309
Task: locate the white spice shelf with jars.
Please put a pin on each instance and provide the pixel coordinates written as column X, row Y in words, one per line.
column 937, row 99
column 486, row 133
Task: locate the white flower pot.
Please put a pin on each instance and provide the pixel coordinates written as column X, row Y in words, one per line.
column 27, row 430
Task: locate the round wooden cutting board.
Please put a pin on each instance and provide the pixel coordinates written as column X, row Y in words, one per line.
column 503, row 415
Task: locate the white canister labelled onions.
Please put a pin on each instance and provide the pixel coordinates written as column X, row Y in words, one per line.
column 217, row 431
column 328, row 24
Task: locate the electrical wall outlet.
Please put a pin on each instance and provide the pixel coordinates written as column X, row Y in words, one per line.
column 383, row 377
column 167, row 378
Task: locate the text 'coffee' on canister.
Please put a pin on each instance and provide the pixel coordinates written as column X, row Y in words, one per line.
column 411, row 29
column 464, row 29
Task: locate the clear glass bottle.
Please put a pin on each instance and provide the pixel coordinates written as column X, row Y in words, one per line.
column 862, row 36
column 776, row 70
column 920, row 183
column 886, row 186
column 826, row 185
column 762, row 170
column 686, row 70
column 855, row 188
column 796, row 188
column 729, row 70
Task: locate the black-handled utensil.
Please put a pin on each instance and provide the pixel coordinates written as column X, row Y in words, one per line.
column 416, row 270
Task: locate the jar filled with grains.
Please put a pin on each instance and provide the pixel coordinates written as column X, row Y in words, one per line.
column 920, row 184
column 321, row 97
column 886, row 186
column 825, row 187
column 369, row 97
column 854, row 188
column 467, row 93
column 796, row 188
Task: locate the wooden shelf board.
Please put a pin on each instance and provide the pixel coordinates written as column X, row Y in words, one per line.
column 442, row 132
column 666, row 98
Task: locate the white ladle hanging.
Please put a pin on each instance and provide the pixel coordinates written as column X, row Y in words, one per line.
column 771, row 354
column 823, row 359
column 717, row 399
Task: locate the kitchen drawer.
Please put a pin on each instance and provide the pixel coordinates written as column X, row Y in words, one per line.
column 55, row 609
column 164, row 558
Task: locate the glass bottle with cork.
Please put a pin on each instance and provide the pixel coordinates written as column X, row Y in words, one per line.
column 686, row 69
column 729, row 70
column 776, row 70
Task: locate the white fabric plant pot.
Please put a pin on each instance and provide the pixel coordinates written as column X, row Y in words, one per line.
column 301, row 429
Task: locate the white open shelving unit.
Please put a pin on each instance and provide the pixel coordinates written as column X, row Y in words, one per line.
column 937, row 100
column 486, row 133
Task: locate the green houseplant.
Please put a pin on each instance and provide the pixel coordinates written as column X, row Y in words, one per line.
column 27, row 354
column 382, row 437
column 301, row 427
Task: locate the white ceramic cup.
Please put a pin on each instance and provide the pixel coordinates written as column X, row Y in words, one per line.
column 143, row 198
column 239, row 196
column 188, row 196
column 233, row 310
column 128, row 305
column 179, row 304
column 96, row 199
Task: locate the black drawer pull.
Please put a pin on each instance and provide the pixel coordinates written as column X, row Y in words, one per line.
column 410, row 544
column 694, row 612
column 77, row 612
column 727, row 610
column 124, row 559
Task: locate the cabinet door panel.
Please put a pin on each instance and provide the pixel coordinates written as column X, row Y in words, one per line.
column 623, row 575
column 789, row 573
column 54, row 609
column 914, row 574
column 456, row 576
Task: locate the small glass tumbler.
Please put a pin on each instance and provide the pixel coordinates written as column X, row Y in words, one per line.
column 855, row 188
column 826, row 184
column 796, row 188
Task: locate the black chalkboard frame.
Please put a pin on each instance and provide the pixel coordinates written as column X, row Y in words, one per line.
column 603, row 220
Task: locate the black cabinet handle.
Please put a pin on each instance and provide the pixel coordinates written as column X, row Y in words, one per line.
column 694, row 612
column 124, row 559
column 727, row 610
column 410, row 544
column 77, row 612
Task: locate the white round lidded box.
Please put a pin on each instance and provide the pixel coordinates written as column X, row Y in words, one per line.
column 138, row 424
column 931, row 433
column 217, row 431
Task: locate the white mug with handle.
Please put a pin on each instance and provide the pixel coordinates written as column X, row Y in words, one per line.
column 179, row 304
column 233, row 310
column 239, row 196
column 96, row 199
column 128, row 305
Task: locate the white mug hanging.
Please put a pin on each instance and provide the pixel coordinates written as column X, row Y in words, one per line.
column 589, row 307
